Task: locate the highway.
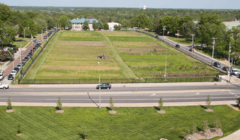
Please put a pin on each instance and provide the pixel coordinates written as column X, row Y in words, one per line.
column 123, row 94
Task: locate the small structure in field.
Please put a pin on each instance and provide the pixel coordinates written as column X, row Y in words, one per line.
column 102, row 57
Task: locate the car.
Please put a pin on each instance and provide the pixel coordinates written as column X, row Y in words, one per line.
column 45, row 37
column 225, row 68
column 34, row 40
column 177, row 46
column 19, row 65
column 4, row 86
column 2, row 74
column 104, row 86
column 16, row 69
column 217, row 64
column 235, row 72
column 10, row 77
column 13, row 72
column 29, row 56
column 26, row 58
column 24, row 61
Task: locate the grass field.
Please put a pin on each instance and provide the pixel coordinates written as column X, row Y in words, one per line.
column 66, row 58
column 183, row 41
column 146, row 56
column 43, row 123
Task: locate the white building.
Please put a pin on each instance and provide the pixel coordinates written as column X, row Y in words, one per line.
column 112, row 24
column 77, row 24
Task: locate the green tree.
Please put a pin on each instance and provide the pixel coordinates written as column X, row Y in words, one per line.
column 160, row 103
column 29, row 26
column 63, row 21
column 111, row 103
column 85, row 25
column 59, row 104
column 99, row 25
column 9, row 104
column 7, row 35
column 105, row 26
column 142, row 21
column 19, row 129
column 125, row 23
column 95, row 26
column 5, row 12
column 69, row 25
column 208, row 102
column 31, row 15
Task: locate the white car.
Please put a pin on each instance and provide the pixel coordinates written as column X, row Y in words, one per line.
column 235, row 72
column 14, row 72
column 4, row 86
column 2, row 75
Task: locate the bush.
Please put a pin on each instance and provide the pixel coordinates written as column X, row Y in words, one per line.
column 111, row 103
column 238, row 102
column 59, row 104
column 19, row 129
column 9, row 104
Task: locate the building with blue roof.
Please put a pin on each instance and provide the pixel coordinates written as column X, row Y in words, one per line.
column 77, row 24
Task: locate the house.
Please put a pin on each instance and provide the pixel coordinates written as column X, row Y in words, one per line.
column 77, row 24
column 112, row 24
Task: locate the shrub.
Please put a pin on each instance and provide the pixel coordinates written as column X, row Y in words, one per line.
column 59, row 104
column 160, row 103
column 111, row 103
column 205, row 126
column 155, row 50
column 9, row 104
column 208, row 102
column 238, row 102
column 194, row 128
column 19, row 129
column 218, row 123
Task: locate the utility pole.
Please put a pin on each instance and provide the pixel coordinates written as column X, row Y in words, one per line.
column 24, row 32
column 229, row 67
column 99, row 87
column 47, row 33
column 192, row 41
column 164, row 28
column 178, row 34
column 165, row 75
column 213, row 48
column 13, row 63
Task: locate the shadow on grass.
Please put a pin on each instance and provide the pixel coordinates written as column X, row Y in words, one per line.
column 234, row 105
column 82, row 135
column 92, row 100
column 204, row 107
column 181, row 137
column 157, row 108
column 108, row 108
column 199, row 129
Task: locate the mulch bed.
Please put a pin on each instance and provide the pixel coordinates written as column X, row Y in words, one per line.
column 209, row 134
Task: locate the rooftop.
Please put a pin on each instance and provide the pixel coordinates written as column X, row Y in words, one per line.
column 82, row 20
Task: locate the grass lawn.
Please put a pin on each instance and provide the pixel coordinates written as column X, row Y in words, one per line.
column 129, row 123
column 71, row 59
column 1, row 64
column 209, row 53
column 25, row 42
column 182, row 41
column 146, row 57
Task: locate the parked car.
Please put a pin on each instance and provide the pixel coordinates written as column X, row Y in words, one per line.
column 177, row 46
column 104, row 86
column 235, row 72
column 10, row 77
column 26, row 58
column 4, row 86
column 24, row 61
column 225, row 68
column 14, row 72
column 16, row 69
column 2, row 74
column 217, row 64
column 45, row 37
column 19, row 65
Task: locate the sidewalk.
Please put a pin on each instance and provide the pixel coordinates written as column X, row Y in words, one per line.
column 120, row 85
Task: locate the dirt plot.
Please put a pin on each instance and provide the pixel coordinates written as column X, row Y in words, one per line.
column 92, row 43
column 123, row 33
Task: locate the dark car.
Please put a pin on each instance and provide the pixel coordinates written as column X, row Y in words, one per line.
column 216, row 64
column 45, row 37
column 10, row 77
column 104, row 86
column 16, row 69
column 225, row 68
column 177, row 46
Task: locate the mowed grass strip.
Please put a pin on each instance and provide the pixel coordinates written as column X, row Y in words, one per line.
column 129, row 123
column 80, row 36
column 131, row 38
column 123, row 33
column 126, row 70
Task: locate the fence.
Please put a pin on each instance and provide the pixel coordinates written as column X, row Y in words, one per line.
column 33, row 60
column 198, row 56
column 96, row 81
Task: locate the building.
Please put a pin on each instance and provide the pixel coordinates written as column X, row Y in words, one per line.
column 112, row 24
column 144, row 7
column 77, row 24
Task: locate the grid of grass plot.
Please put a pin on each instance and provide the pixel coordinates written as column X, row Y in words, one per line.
column 146, row 56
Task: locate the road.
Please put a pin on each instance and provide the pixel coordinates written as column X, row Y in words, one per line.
column 123, row 94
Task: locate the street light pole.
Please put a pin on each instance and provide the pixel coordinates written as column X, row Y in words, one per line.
column 99, row 89
column 178, row 35
column 13, row 63
column 229, row 62
column 164, row 28
column 192, row 41
column 165, row 75
column 213, row 48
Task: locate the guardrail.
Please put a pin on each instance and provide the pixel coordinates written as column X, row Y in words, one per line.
column 33, row 60
column 192, row 54
column 138, row 80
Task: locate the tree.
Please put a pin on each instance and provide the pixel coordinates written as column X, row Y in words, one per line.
column 29, row 26
column 238, row 102
column 63, row 21
column 117, row 27
column 111, row 103
column 9, row 104
column 99, row 25
column 205, row 126
column 69, row 25
column 194, row 128
column 41, row 22
column 19, row 129
column 218, row 123
column 95, row 25
column 5, row 12
column 31, row 15
column 105, row 26
column 125, row 23
column 85, row 25
column 160, row 103
column 142, row 21
column 208, row 102
column 59, row 104
column 7, row 35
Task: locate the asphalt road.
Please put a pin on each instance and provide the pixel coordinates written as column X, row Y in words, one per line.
column 123, row 94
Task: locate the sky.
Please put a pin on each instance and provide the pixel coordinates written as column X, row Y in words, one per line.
column 175, row 4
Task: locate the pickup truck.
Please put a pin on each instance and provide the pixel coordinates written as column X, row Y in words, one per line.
column 4, row 86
